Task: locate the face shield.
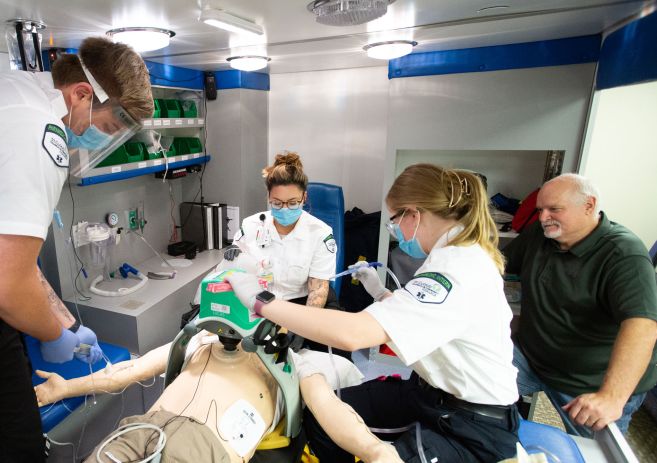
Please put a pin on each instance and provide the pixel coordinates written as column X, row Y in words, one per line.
column 109, row 127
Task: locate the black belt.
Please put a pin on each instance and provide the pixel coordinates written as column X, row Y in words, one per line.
column 498, row 412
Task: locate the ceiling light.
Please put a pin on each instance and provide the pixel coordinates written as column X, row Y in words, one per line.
column 389, row 50
column 347, row 12
column 248, row 62
column 229, row 22
column 142, row 38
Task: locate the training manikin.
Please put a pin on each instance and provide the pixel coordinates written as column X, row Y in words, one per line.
column 219, row 383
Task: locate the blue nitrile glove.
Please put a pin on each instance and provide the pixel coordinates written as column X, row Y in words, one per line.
column 88, row 337
column 370, row 280
column 61, row 349
column 231, row 253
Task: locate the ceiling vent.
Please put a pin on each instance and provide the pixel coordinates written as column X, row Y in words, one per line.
column 348, row 12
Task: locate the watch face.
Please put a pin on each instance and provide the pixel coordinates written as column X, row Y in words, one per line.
column 265, row 296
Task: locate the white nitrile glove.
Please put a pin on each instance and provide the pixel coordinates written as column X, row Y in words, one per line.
column 370, row 280
column 246, row 288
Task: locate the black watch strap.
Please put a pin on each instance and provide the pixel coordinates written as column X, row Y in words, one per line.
column 75, row 326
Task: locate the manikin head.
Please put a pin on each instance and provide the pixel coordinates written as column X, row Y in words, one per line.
column 569, row 209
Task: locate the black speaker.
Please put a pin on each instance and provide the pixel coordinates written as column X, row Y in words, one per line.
column 210, row 86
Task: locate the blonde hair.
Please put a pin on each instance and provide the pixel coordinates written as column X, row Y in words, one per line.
column 286, row 170
column 117, row 68
column 450, row 194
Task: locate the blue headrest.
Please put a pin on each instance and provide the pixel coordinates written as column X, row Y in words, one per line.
column 326, row 202
column 536, row 437
column 52, row 414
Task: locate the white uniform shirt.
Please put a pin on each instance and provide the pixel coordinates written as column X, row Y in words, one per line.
column 33, row 153
column 308, row 251
column 450, row 323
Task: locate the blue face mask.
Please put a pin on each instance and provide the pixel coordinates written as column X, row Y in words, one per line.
column 91, row 139
column 411, row 247
column 286, row 216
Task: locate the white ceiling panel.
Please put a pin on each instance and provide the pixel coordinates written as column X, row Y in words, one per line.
column 295, row 42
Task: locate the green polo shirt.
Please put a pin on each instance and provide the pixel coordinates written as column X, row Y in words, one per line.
column 574, row 301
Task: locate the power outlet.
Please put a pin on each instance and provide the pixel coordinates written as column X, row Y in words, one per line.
column 133, row 223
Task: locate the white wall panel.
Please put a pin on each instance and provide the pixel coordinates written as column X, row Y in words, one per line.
column 4, row 62
column 337, row 122
column 620, row 156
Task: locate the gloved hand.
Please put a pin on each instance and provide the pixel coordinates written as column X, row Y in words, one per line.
column 246, row 288
column 86, row 336
column 61, row 349
column 370, row 280
column 231, row 253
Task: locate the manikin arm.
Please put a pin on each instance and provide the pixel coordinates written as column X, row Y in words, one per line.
column 343, row 425
column 114, row 379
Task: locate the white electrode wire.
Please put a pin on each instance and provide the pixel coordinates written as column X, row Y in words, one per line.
column 161, row 442
column 393, row 276
column 62, row 444
column 418, row 439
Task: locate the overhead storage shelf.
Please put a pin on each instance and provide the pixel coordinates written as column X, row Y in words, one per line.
column 135, row 169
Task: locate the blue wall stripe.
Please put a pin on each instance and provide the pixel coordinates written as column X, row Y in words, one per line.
column 173, row 76
column 629, row 55
column 558, row 52
column 240, row 79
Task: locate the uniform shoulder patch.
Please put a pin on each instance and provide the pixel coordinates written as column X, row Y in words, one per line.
column 429, row 287
column 54, row 142
column 330, row 244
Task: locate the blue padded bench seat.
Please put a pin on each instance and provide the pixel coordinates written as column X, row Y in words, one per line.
column 537, row 437
column 52, row 415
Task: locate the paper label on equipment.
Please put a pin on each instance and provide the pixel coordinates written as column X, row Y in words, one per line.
column 201, row 121
column 148, row 123
column 184, row 157
column 166, row 122
column 221, row 308
column 242, row 426
column 157, row 122
column 116, row 169
column 157, row 162
column 190, row 121
column 142, row 165
column 178, row 121
column 196, row 155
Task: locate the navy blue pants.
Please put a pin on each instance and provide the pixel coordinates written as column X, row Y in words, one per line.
column 449, row 434
column 21, row 438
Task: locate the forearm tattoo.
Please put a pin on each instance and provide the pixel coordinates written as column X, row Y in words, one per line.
column 57, row 307
column 317, row 292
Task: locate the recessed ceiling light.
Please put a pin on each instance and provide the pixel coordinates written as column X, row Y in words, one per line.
column 142, row 38
column 229, row 22
column 389, row 50
column 248, row 62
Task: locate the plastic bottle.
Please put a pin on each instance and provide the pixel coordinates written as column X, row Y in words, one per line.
column 265, row 275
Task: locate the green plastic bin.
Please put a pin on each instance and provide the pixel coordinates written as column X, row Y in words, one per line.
column 118, row 156
column 156, row 111
column 194, row 145
column 187, row 145
column 173, row 108
column 189, row 108
column 135, row 151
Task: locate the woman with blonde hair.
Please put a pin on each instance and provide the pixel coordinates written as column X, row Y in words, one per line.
column 450, row 324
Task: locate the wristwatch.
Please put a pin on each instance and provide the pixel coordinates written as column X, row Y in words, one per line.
column 262, row 298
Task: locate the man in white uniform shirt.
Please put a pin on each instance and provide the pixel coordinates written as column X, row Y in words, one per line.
column 42, row 116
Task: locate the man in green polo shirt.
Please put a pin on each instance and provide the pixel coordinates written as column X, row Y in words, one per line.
column 589, row 308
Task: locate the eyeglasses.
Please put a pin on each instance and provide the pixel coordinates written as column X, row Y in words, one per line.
column 292, row 204
column 391, row 226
